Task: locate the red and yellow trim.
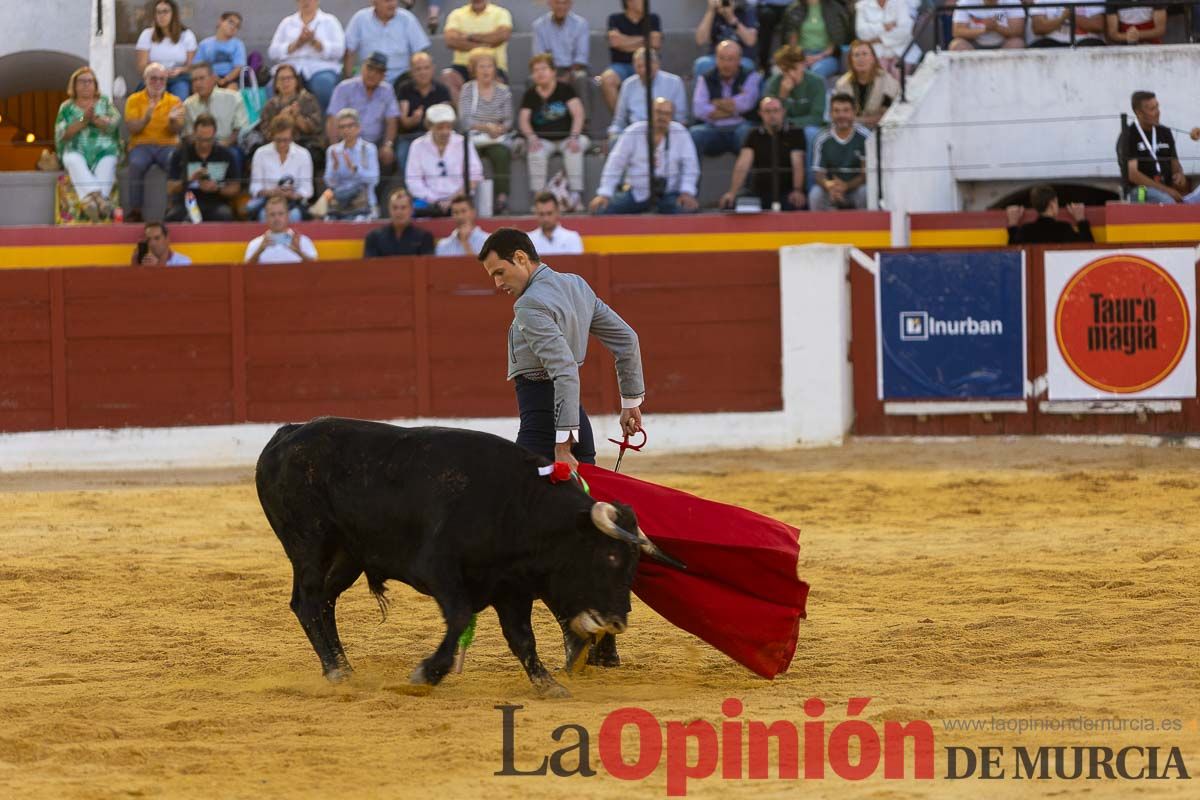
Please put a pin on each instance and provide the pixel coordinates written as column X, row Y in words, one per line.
column 80, row 246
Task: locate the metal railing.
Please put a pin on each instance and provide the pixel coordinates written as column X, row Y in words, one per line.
column 936, row 15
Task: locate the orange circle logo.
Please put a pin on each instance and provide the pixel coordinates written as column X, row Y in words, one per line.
column 1122, row 324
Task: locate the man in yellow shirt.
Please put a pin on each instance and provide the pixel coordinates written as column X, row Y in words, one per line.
column 154, row 117
column 479, row 23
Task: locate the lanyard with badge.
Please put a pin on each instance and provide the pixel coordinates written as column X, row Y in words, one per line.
column 1151, row 144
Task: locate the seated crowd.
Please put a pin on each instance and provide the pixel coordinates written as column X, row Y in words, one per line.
column 350, row 114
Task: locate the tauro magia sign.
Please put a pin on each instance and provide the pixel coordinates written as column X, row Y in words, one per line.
column 1119, row 324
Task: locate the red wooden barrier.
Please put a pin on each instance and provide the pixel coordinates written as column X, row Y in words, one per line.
column 392, row 338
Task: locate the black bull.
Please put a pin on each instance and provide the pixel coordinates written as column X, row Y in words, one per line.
column 459, row 515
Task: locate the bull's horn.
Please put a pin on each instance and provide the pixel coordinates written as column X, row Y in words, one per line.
column 604, row 517
column 652, row 550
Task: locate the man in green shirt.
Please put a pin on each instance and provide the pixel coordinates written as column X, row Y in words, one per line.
column 840, row 160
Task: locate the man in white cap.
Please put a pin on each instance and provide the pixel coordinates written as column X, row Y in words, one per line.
column 434, row 172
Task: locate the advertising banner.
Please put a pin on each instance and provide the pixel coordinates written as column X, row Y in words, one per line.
column 1119, row 324
column 951, row 326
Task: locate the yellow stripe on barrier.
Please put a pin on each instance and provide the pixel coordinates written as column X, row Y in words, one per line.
column 1157, row 232
column 119, row 255
column 717, row 242
column 986, row 237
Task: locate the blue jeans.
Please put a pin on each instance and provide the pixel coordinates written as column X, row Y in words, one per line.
column 712, row 140
column 705, row 64
column 180, row 86
column 623, row 203
column 535, row 402
column 827, row 67
column 257, row 208
column 141, row 159
column 403, row 143
column 1159, row 196
column 624, row 69
column 321, row 84
column 810, row 133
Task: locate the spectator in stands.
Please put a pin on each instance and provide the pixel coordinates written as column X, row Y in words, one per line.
column 1135, row 22
column 168, row 43
column 467, row 238
column 155, row 249
column 1146, row 156
column 839, row 160
column 771, row 17
column 375, row 101
column 549, row 237
column 631, row 106
column 625, row 40
column 819, row 35
column 88, row 140
column 677, row 169
column 207, row 169
column 801, row 92
column 477, row 24
column 385, row 29
column 280, row 169
column 415, row 96
column 865, row 81
column 731, row 20
column 154, row 118
column 988, row 28
column 551, row 120
column 225, row 106
column 279, row 244
column 1047, row 229
column 299, row 107
column 399, row 237
column 485, row 108
column 773, row 157
column 724, row 96
column 351, row 171
column 887, row 26
column 1051, row 25
column 225, row 52
column 564, row 35
column 313, row 42
column 434, row 172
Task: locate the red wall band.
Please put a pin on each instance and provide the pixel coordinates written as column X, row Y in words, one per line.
column 394, row 338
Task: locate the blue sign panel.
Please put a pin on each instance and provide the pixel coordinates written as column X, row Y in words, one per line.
column 951, row 326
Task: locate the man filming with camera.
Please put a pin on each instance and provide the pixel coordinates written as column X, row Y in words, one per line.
column 726, row 19
column 279, row 244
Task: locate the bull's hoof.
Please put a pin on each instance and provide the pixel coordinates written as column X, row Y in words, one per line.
column 339, row 674
column 552, row 690
column 604, row 653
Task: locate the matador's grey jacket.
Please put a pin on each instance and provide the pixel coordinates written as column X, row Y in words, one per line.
column 552, row 320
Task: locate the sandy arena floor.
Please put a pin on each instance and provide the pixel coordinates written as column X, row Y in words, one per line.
column 149, row 650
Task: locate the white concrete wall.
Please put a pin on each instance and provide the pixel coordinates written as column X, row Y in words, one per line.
column 61, row 25
column 1032, row 115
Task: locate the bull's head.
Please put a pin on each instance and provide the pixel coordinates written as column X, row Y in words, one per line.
column 594, row 598
column 604, row 517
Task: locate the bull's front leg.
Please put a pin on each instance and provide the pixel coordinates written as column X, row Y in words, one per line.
column 514, row 612
column 457, row 612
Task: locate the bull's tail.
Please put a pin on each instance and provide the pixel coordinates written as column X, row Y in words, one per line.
column 376, row 585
